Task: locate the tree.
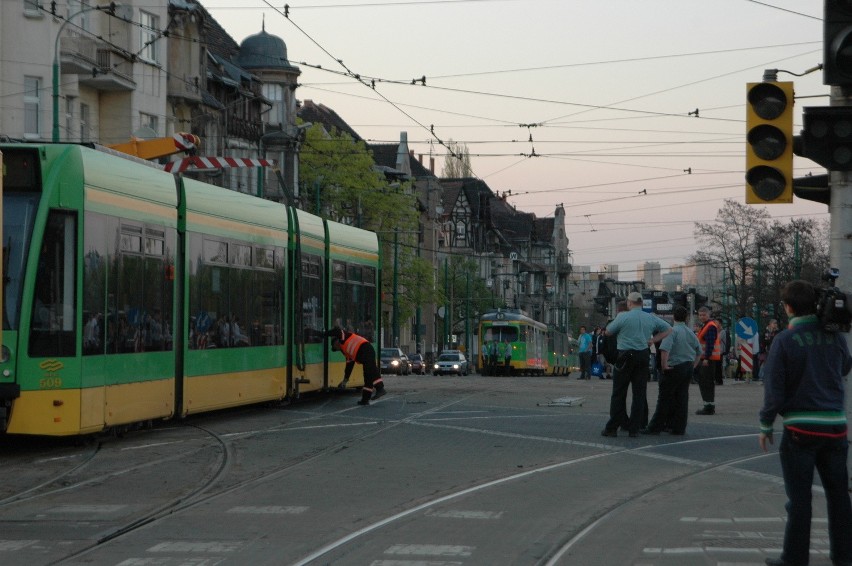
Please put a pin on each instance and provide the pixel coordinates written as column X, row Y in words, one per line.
column 340, row 181
column 758, row 255
column 466, row 293
column 457, row 162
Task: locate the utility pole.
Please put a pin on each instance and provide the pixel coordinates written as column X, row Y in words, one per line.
column 840, row 244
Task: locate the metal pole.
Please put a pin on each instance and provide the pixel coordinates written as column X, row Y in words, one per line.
column 396, row 288
column 840, row 245
column 446, row 303
column 467, row 318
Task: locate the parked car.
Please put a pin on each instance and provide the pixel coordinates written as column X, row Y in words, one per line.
column 451, row 362
column 418, row 364
column 394, row 360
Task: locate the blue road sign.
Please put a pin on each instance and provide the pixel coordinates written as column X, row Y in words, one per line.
column 746, row 328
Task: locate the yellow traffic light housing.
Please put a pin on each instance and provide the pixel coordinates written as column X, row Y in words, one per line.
column 769, row 147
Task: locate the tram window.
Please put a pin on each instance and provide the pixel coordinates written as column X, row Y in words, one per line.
column 215, row 252
column 131, row 243
column 21, row 171
column 19, row 211
column 264, row 258
column 154, row 246
column 239, row 254
column 236, row 304
column 94, row 283
column 53, row 322
column 339, row 271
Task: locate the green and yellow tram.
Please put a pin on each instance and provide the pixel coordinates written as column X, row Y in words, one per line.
column 131, row 294
column 511, row 343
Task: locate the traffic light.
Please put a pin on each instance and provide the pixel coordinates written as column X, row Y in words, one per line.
column 827, row 136
column 769, row 151
column 837, row 56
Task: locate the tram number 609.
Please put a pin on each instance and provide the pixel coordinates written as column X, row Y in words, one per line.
column 50, row 383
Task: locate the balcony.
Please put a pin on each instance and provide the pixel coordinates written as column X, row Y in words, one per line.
column 245, row 129
column 99, row 65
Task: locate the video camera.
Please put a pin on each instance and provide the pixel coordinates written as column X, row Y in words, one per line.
column 832, row 306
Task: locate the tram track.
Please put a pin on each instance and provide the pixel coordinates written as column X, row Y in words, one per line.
column 554, row 556
column 200, row 495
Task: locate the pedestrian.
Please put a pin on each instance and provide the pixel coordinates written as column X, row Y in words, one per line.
column 768, row 336
column 486, row 357
column 584, row 343
column 680, row 352
column 635, row 329
column 804, row 383
column 711, row 360
column 358, row 349
column 507, row 357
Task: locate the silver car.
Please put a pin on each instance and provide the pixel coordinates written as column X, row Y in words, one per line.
column 451, row 362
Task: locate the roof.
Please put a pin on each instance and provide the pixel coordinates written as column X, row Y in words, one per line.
column 325, row 116
column 386, row 154
column 264, row 51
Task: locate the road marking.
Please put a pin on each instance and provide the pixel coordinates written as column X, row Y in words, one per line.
column 188, row 546
column 161, row 561
column 450, row 514
column 93, row 509
column 268, row 510
column 13, row 545
column 413, row 563
column 152, row 445
column 431, row 550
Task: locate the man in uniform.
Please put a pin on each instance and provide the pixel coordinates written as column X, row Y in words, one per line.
column 635, row 330
column 358, row 349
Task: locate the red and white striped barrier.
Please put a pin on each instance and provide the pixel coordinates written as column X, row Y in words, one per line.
column 196, row 162
column 746, row 357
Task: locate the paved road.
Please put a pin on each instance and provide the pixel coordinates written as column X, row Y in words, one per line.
column 441, row 471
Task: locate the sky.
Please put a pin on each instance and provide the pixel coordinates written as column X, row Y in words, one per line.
column 629, row 113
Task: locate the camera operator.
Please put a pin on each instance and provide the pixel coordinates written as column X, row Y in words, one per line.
column 804, row 384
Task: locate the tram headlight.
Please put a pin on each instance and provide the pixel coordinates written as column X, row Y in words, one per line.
column 5, row 354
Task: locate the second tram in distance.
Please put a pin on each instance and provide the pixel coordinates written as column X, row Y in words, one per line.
column 532, row 348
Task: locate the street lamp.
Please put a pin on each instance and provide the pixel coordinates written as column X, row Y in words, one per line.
column 127, row 13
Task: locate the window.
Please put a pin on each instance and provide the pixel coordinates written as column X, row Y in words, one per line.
column 69, row 115
column 84, row 122
column 234, row 301
column 149, row 34
column 77, row 10
column 139, row 305
column 149, row 121
column 354, row 298
column 31, row 8
column 32, row 106
column 275, row 94
column 52, row 327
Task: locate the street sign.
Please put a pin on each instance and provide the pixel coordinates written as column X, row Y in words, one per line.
column 746, row 328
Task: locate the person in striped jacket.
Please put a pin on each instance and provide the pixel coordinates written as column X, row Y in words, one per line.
column 803, row 383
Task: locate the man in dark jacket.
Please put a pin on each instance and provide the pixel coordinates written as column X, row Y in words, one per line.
column 804, row 384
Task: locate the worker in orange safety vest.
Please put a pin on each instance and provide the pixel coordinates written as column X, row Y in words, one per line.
column 358, row 349
column 711, row 360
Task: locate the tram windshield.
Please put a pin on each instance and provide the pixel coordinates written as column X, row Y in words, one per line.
column 19, row 210
column 501, row 334
column 21, row 193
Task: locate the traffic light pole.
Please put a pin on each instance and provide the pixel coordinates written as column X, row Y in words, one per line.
column 840, row 242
